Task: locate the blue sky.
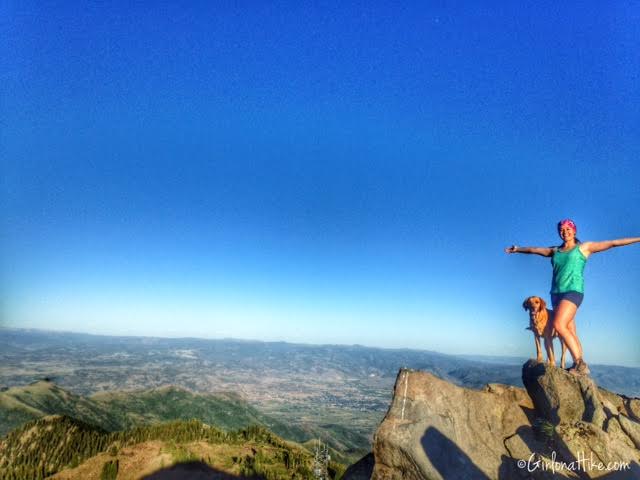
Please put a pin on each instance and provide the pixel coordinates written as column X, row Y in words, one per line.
column 318, row 173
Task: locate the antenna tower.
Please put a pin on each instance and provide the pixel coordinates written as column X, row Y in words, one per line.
column 321, row 461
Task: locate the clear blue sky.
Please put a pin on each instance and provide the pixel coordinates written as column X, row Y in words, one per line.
column 341, row 174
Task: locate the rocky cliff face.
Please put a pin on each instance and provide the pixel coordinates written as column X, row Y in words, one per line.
column 561, row 426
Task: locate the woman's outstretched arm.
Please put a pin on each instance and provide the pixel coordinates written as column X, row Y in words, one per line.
column 594, row 247
column 544, row 251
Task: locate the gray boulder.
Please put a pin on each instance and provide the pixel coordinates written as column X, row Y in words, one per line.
column 561, row 426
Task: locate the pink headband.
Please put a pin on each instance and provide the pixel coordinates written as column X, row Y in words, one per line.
column 569, row 223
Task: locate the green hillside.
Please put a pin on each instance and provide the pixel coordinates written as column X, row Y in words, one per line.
column 20, row 404
column 116, row 411
column 74, row 449
column 224, row 410
column 125, row 410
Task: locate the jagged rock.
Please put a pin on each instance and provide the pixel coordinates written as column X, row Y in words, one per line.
column 621, row 403
column 560, row 396
column 562, row 426
column 436, row 430
column 590, row 422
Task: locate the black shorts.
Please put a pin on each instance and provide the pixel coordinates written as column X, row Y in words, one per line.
column 574, row 297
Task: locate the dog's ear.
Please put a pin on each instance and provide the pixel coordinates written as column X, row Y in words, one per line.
column 543, row 304
column 525, row 304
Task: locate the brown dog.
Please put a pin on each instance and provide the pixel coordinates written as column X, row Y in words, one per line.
column 541, row 324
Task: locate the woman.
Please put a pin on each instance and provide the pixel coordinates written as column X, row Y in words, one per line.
column 567, row 284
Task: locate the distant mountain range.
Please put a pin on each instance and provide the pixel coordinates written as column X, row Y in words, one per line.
column 91, row 363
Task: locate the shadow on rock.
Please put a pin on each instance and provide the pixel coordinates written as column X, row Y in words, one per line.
column 447, row 458
column 361, row 470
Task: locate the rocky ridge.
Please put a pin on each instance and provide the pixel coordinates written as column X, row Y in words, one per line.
column 558, row 426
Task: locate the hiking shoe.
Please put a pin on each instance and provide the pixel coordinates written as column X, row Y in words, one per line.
column 579, row 368
column 583, row 368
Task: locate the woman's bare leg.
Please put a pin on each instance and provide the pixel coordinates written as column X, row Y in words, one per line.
column 572, row 327
column 564, row 315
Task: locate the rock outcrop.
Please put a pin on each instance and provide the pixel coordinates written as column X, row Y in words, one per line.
column 561, row 426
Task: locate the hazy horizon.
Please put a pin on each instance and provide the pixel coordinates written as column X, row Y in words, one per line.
column 318, row 174
column 470, row 356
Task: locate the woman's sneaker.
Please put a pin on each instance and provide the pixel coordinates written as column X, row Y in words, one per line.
column 579, row 368
column 583, row 368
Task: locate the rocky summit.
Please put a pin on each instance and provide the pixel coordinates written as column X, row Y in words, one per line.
column 559, row 426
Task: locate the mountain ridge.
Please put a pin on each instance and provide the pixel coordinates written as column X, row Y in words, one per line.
column 114, row 411
column 62, row 447
column 559, row 426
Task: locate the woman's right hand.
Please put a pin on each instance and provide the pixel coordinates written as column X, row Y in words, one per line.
column 511, row 249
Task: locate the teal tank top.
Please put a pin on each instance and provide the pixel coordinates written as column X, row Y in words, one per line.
column 568, row 268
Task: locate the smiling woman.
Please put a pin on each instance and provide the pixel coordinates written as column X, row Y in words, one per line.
column 567, row 283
